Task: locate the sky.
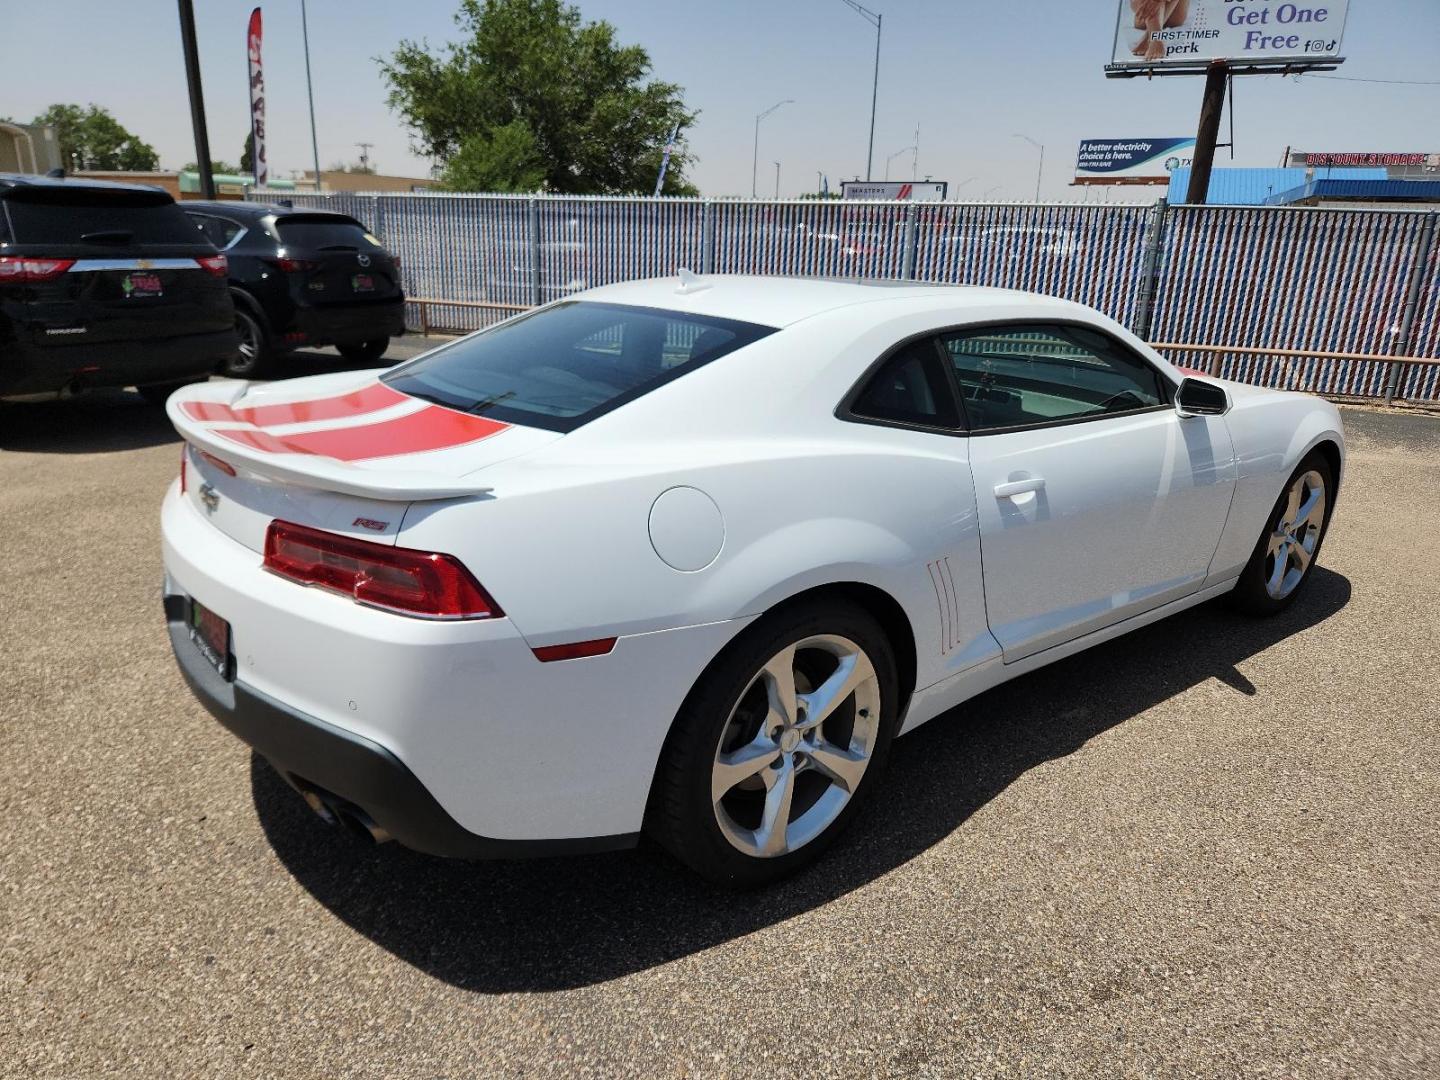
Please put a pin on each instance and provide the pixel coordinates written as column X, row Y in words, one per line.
column 969, row 75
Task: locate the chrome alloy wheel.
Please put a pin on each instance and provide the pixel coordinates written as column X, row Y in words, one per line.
column 796, row 746
column 1297, row 533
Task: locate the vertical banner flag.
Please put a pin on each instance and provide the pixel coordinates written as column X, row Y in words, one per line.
column 257, row 103
column 665, row 158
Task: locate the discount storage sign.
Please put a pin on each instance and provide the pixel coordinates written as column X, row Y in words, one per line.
column 1160, row 33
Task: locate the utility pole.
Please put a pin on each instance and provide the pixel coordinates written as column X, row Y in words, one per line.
column 777, row 180
column 1212, row 104
column 365, row 155
column 197, row 98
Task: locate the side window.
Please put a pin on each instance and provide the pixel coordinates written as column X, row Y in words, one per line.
column 910, row 388
column 1014, row 376
column 219, row 231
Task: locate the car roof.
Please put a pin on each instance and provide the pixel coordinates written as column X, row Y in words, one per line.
column 11, row 181
column 780, row 301
column 254, row 209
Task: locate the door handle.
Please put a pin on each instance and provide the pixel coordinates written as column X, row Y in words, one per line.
column 1019, row 487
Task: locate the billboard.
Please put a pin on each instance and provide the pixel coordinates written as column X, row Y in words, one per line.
column 895, row 190
column 1156, row 34
column 1132, row 161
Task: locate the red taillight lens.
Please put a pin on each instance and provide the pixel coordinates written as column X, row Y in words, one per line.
column 184, row 458
column 296, row 266
column 399, row 579
column 223, row 466
column 217, row 265
column 14, row 268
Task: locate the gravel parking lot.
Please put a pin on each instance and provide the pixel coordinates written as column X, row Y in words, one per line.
column 1208, row 848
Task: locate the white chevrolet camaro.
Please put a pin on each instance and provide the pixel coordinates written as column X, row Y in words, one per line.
column 680, row 557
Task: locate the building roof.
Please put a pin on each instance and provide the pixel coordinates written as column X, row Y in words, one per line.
column 1252, row 187
column 1359, row 189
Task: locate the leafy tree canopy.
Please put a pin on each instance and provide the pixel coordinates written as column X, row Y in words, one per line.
column 532, row 96
column 216, row 167
column 247, row 156
column 91, row 138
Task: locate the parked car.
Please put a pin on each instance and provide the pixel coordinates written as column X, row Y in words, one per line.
column 682, row 557
column 303, row 279
column 105, row 284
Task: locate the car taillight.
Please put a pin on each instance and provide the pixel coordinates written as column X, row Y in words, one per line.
column 396, row 260
column 184, row 457
column 398, row 579
column 218, row 265
column 296, row 266
column 15, row 268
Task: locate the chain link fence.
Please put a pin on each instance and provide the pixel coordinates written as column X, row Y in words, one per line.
column 1296, row 298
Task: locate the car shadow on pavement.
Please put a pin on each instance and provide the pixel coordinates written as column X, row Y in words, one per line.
column 101, row 421
column 561, row 923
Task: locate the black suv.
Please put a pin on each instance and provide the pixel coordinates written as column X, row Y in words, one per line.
column 303, row 278
column 105, row 285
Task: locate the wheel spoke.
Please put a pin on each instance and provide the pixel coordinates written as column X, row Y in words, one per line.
column 842, row 766
column 731, row 769
column 1292, row 504
column 1277, row 542
column 1277, row 575
column 1302, row 557
column 771, row 836
column 852, row 672
column 1308, row 507
column 779, row 675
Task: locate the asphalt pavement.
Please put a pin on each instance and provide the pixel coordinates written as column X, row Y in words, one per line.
column 1209, row 848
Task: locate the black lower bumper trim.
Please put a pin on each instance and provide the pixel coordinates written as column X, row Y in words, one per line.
column 312, row 754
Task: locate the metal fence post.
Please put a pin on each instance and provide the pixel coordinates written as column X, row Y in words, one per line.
column 907, row 246
column 1419, row 271
column 1150, row 269
column 377, row 221
column 707, row 237
column 534, row 222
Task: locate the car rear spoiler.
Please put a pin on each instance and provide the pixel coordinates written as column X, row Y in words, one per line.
column 311, row 470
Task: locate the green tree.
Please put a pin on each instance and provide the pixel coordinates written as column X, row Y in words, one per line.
column 531, row 89
column 93, row 139
column 247, row 156
column 216, row 167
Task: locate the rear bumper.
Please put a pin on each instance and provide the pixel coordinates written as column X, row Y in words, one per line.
column 314, row 756
column 519, row 756
column 31, row 369
column 348, row 324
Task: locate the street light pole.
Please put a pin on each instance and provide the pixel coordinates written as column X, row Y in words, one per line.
column 874, row 20
column 777, row 180
column 892, row 157
column 755, row 158
column 310, row 90
column 1041, row 168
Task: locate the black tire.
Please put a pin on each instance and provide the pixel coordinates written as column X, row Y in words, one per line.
column 159, row 393
column 684, row 819
column 366, row 351
column 255, row 357
column 1252, row 593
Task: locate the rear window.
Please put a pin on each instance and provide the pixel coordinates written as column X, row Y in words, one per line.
column 327, row 233
column 95, row 217
column 569, row 363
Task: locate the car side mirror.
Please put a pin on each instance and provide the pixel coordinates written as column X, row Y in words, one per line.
column 1200, row 397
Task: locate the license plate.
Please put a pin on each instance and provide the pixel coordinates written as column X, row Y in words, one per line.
column 363, row 283
column 211, row 635
column 142, row 285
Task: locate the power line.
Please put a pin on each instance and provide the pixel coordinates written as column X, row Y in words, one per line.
column 1388, row 82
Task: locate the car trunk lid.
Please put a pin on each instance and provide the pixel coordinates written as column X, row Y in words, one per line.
column 331, row 259
column 342, row 452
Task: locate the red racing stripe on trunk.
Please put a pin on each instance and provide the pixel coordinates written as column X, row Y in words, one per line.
column 432, row 428
column 368, row 399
